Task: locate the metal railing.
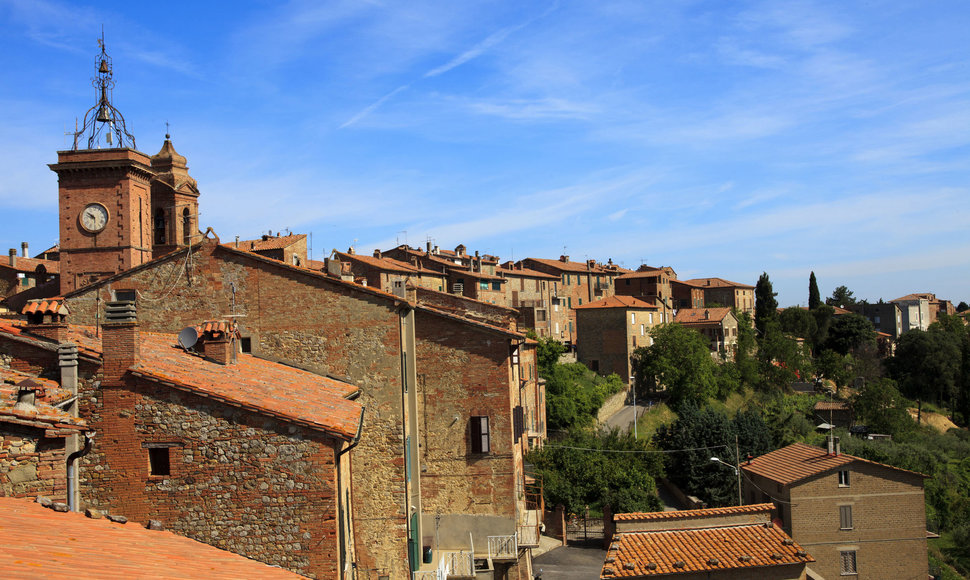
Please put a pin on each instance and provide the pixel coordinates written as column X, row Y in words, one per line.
column 457, row 564
column 528, row 535
column 503, row 547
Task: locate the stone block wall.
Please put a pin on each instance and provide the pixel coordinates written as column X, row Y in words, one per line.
column 31, row 464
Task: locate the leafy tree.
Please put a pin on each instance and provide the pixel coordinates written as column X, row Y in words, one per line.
column 574, row 394
column 781, row 359
column 765, row 304
column 548, row 352
column 823, row 321
column 841, row 297
column 882, row 409
column 850, row 331
column 813, row 296
column 699, row 434
column 745, row 362
column 587, row 468
column 679, row 360
column 962, row 306
column 927, row 364
column 835, row 367
column 799, row 322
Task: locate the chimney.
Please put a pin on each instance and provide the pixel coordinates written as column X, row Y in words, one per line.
column 377, row 254
column 13, row 257
column 47, row 318
column 237, row 242
column 563, row 258
column 119, row 340
column 23, row 249
column 838, row 446
column 428, row 246
column 435, row 251
column 350, row 250
column 67, row 360
column 27, row 395
column 217, row 344
column 707, row 315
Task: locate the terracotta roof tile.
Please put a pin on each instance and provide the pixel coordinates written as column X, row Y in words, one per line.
column 641, row 554
column 263, row 386
column 579, row 266
column 524, row 273
column 269, row 243
column 648, row 273
column 41, row 543
column 691, row 316
column 31, row 264
column 831, row 406
column 718, row 283
column 386, row 264
column 698, row 513
column 799, row 461
column 618, row 302
column 46, row 306
column 43, row 412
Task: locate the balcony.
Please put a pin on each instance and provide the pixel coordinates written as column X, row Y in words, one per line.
column 503, row 548
column 458, row 564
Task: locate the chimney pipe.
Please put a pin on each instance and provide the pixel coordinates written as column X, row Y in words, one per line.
column 23, row 248
column 120, row 344
column 237, row 242
column 377, row 254
column 428, row 246
column 13, row 257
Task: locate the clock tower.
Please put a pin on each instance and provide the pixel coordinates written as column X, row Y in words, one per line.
column 104, row 194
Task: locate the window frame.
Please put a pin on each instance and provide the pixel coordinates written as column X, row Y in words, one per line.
column 159, row 461
column 844, row 479
column 480, row 435
column 848, row 563
column 845, row 517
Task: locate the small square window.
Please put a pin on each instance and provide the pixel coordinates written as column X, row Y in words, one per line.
column 848, row 563
column 246, row 343
column 844, row 478
column 159, row 461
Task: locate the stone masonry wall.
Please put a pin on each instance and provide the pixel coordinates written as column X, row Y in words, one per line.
column 31, row 464
column 237, row 480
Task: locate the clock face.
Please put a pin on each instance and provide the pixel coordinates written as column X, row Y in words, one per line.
column 94, row 217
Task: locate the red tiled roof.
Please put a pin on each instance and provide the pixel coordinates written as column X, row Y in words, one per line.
column 916, row 296
column 269, row 243
column 46, row 306
column 698, row 513
column 718, row 283
column 30, row 265
column 695, row 316
column 471, row 322
column 691, row 283
column 618, row 302
column 386, row 264
column 700, row 550
column 44, row 411
column 799, row 461
column 578, row 266
column 41, row 543
column 525, row 273
column 647, row 273
column 263, row 386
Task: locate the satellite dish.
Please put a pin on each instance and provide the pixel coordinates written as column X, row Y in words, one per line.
column 188, row 337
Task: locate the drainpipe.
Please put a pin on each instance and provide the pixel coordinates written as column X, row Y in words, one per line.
column 72, row 470
column 340, row 491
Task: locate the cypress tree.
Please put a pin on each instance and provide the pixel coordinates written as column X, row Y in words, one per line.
column 814, row 299
column 765, row 304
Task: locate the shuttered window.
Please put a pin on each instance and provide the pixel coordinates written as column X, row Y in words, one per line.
column 480, row 435
column 845, row 517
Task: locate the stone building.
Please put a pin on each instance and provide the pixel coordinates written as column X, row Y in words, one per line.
column 609, row 330
column 530, row 293
column 718, row 325
column 721, row 292
column 379, row 271
column 20, row 273
column 687, row 294
column 650, row 285
column 736, row 543
column 472, row 276
column 579, row 283
column 291, row 248
column 886, row 317
column 237, row 452
column 857, row 517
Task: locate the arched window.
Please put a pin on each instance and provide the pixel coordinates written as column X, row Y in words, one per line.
column 186, row 227
column 159, row 226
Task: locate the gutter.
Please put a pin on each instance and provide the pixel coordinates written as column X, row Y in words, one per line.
column 72, row 470
column 340, row 500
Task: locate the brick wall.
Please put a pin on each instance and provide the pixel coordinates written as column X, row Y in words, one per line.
column 237, row 480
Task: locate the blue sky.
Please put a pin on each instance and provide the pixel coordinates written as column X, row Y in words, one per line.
column 720, row 138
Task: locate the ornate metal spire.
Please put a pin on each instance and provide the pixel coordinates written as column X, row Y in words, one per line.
column 103, row 123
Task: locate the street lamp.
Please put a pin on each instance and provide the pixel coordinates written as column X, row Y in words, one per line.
column 633, row 387
column 737, row 472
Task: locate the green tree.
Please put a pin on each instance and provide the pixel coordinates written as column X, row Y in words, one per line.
column 882, row 409
column 962, row 306
column 798, row 322
column 781, row 359
column 850, row 331
column 574, row 394
column 765, row 304
column 588, row 468
column 548, row 352
column 680, row 361
column 823, row 321
column 745, row 350
column 814, row 299
column 927, row 364
column 841, row 297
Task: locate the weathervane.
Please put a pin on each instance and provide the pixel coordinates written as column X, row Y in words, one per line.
column 103, row 120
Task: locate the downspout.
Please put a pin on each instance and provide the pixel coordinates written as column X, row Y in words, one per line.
column 72, row 470
column 340, row 506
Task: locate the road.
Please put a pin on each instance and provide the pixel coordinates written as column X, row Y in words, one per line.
column 623, row 419
column 571, row 562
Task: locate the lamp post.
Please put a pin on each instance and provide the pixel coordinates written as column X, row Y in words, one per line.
column 737, row 472
column 633, row 387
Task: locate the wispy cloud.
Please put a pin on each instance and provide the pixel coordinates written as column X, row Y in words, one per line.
column 474, row 52
column 372, row 107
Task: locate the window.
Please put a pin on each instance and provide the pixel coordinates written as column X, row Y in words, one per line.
column 650, row 317
column 159, row 462
column 480, row 440
column 496, row 285
column 159, row 226
column 845, row 517
column 643, row 330
column 847, row 559
column 580, row 301
column 844, row 478
column 569, row 302
column 594, row 365
column 187, row 227
column 633, row 318
column 246, row 344
column 483, row 285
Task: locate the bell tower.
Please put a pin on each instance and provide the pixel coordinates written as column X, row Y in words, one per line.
column 175, row 202
column 104, row 193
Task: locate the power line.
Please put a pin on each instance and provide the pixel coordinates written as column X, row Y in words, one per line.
column 633, row 450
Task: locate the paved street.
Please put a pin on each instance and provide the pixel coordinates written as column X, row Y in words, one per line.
column 623, row 419
column 571, row 562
